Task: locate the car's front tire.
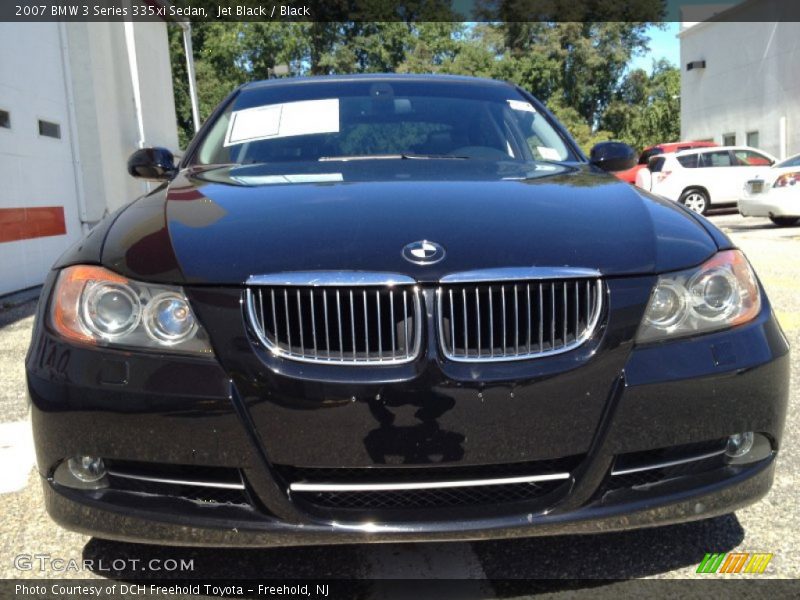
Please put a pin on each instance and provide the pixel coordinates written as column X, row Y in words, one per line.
column 695, row 200
column 785, row 221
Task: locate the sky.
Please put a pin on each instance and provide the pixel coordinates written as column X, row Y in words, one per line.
column 663, row 44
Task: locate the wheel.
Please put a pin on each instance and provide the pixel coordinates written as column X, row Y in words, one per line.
column 696, row 200
column 785, row 221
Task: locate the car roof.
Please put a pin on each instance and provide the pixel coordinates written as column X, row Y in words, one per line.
column 695, row 143
column 428, row 78
column 717, row 149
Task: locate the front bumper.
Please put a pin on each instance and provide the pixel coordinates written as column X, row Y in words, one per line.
column 621, row 400
column 137, row 524
column 775, row 202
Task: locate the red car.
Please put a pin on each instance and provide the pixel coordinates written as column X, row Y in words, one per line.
column 629, row 175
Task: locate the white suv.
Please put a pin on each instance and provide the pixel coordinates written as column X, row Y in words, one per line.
column 702, row 177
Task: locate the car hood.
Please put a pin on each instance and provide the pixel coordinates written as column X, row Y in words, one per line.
column 220, row 225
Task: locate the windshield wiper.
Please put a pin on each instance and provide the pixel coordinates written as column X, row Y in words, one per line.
column 402, row 156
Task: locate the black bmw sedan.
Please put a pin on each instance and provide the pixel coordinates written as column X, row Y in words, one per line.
column 396, row 308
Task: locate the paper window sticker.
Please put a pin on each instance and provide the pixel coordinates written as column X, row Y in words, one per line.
column 548, row 153
column 309, row 117
column 253, row 124
column 273, row 121
column 521, row 105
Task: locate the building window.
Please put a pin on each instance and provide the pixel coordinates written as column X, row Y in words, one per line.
column 5, row 119
column 752, row 139
column 49, row 129
column 728, row 139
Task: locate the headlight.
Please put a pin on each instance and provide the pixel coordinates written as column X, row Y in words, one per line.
column 720, row 293
column 96, row 306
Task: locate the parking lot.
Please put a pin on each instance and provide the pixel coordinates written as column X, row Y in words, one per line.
column 772, row 525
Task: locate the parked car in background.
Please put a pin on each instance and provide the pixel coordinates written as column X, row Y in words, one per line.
column 629, row 175
column 703, row 177
column 644, row 177
column 776, row 195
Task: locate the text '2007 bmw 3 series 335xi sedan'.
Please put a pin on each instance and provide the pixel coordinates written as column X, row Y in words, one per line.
column 399, row 308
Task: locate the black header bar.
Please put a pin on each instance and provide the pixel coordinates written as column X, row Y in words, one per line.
column 408, row 11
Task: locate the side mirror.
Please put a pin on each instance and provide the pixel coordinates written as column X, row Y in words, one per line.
column 153, row 164
column 613, row 156
column 654, row 160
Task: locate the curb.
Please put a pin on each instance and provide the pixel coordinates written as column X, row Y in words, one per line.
column 16, row 298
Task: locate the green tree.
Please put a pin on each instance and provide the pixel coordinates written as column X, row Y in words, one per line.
column 226, row 56
column 646, row 109
column 579, row 68
column 579, row 63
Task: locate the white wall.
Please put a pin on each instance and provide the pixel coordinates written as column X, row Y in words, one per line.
column 155, row 74
column 77, row 75
column 751, row 81
column 106, row 111
column 35, row 171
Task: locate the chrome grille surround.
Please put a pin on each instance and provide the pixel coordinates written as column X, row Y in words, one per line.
column 539, row 312
column 341, row 318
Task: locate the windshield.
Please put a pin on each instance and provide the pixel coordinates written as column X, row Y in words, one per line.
column 792, row 161
column 349, row 120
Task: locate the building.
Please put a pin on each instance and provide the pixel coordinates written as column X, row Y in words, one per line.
column 739, row 78
column 76, row 99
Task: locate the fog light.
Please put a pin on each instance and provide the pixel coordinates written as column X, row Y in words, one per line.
column 739, row 444
column 87, row 469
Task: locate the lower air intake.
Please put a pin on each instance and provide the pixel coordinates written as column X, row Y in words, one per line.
column 399, row 488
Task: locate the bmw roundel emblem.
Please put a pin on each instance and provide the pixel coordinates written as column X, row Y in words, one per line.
column 423, row 252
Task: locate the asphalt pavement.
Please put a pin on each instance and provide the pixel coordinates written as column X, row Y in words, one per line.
column 772, row 525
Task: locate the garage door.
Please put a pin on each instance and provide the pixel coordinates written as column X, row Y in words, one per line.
column 39, row 215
